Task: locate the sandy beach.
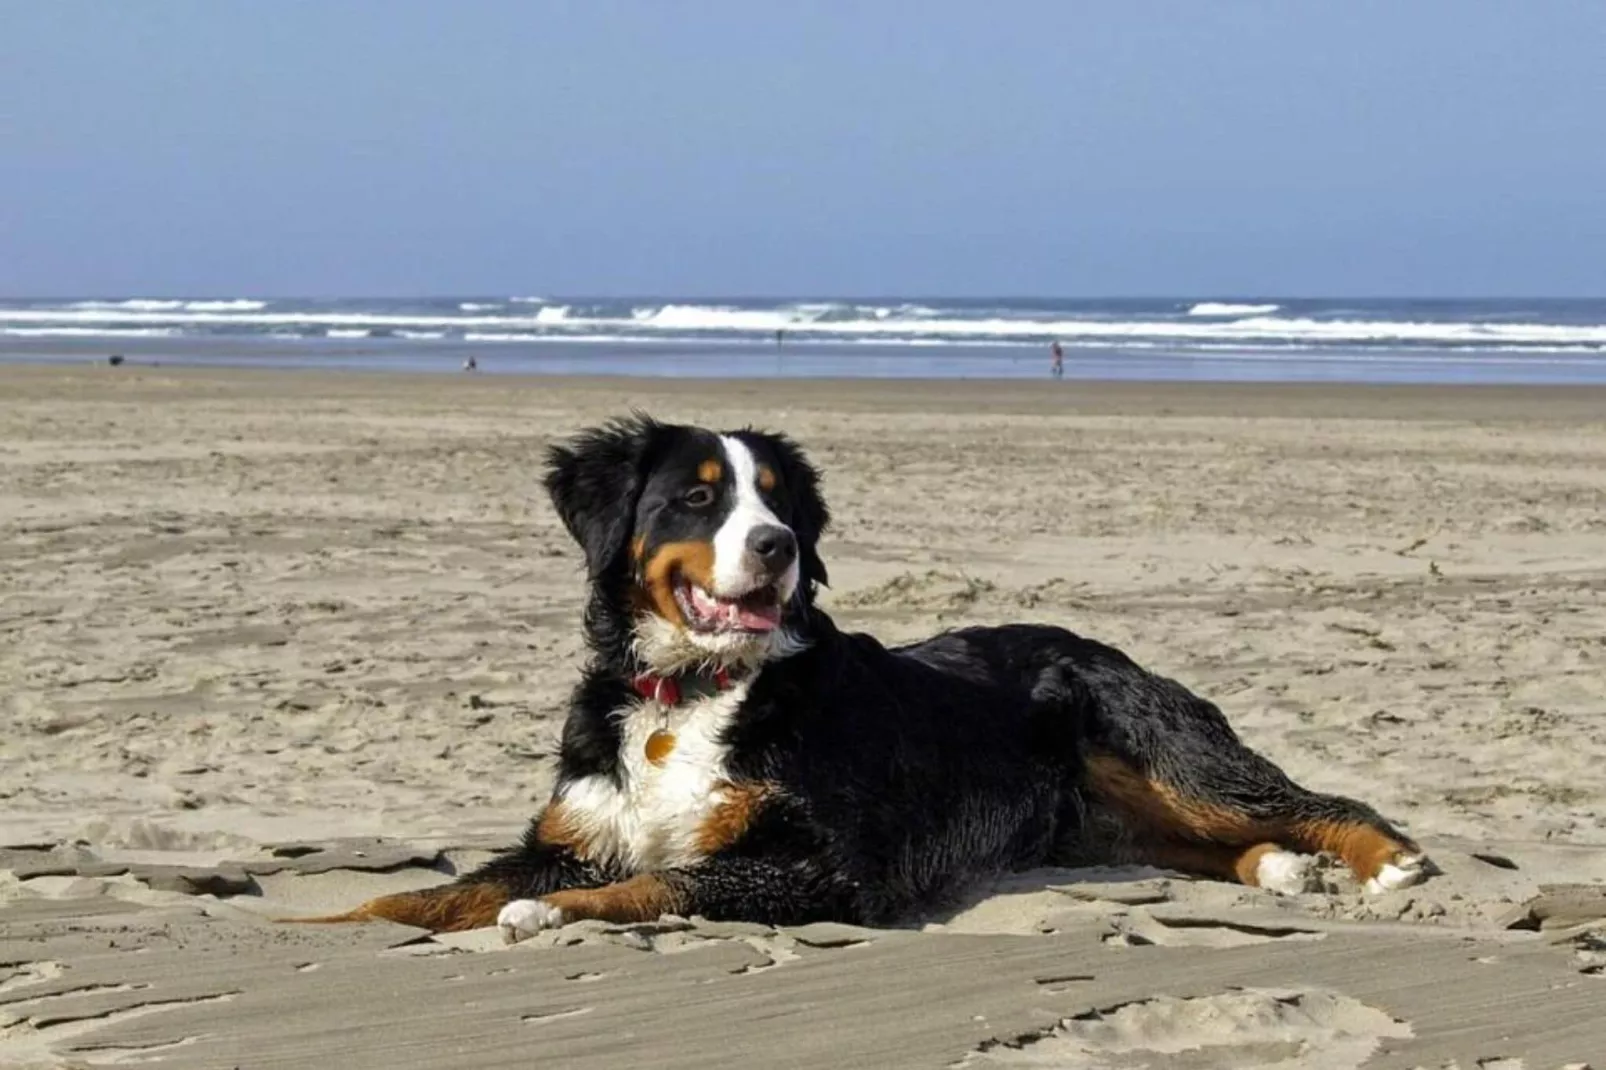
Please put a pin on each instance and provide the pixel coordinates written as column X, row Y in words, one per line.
column 274, row 642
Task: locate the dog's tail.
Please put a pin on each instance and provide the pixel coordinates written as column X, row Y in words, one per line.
column 448, row 908
column 360, row 914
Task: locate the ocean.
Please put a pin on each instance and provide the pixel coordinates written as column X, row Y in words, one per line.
column 1286, row 340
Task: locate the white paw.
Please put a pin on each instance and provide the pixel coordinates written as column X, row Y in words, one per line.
column 523, row 918
column 1402, row 872
column 1285, row 872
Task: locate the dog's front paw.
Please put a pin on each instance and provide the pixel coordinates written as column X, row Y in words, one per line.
column 1401, row 871
column 523, row 918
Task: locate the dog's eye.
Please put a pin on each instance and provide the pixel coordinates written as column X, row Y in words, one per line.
column 699, row 497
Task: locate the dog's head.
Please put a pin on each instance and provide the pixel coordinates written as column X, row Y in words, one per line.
column 700, row 545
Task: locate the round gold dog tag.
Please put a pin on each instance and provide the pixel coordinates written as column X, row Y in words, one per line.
column 659, row 746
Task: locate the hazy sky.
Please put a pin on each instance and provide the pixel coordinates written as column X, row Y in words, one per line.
column 841, row 147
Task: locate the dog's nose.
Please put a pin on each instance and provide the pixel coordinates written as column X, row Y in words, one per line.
column 775, row 547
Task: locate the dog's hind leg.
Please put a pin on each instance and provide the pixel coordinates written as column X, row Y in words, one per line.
column 1219, row 809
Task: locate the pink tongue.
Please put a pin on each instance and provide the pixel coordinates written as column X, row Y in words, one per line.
column 756, row 620
column 734, row 614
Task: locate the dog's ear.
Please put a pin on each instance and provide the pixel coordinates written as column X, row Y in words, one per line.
column 594, row 480
column 810, row 516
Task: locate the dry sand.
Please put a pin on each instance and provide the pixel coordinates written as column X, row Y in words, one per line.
column 275, row 642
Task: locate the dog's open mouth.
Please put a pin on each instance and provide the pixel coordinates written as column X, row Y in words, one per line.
column 756, row 611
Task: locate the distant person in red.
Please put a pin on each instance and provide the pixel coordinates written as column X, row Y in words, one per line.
column 1057, row 366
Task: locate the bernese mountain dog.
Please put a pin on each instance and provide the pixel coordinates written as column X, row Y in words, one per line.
column 730, row 753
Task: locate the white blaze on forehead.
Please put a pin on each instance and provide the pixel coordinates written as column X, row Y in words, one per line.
column 733, row 574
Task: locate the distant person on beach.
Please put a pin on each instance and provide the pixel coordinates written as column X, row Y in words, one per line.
column 472, row 364
column 780, row 334
column 1057, row 365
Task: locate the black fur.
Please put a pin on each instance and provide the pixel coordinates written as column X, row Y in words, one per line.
column 904, row 774
column 603, row 465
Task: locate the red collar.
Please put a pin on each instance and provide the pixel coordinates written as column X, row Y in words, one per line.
column 669, row 690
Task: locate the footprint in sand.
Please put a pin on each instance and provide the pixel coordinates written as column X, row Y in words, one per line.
column 1243, row 1029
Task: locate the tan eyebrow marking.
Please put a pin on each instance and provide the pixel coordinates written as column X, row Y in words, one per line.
column 766, row 477
column 710, row 471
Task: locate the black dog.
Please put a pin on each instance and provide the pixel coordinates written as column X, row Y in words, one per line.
column 730, row 753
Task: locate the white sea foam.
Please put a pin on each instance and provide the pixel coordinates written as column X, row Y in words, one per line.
column 476, row 306
column 528, row 300
column 611, row 339
column 421, row 334
column 237, row 305
column 137, row 304
column 900, row 324
column 347, row 332
column 90, row 332
column 693, row 318
column 142, row 304
column 1226, row 308
column 726, row 318
column 811, row 311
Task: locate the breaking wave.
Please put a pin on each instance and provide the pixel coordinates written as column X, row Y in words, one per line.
column 141, row 304
column 1225, row 308
column 90, row 332
column 1134, row 325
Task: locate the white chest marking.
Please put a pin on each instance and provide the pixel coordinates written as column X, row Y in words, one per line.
column 653, row 820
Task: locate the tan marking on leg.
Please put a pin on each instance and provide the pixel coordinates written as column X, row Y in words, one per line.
column 560, row 830
column 692, row 560
column 638, row 548
column 710, row 471
column 766, row 478
column 646, row 897
column 1149, row 806
column 1157, row 807
column 1363, row 848
column 734, row 816
column 448, row 909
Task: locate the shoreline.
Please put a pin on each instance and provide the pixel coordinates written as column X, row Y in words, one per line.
column 1261, row 400
column 713, row 360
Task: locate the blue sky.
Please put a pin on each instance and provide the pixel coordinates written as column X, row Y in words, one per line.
column 759, row 147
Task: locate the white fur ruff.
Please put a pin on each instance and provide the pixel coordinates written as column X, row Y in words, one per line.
column 669, row 650
column 652, row 821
